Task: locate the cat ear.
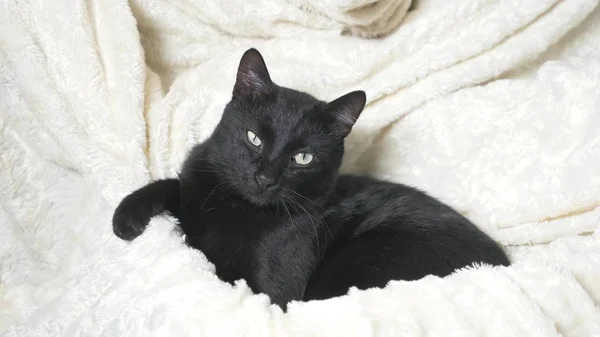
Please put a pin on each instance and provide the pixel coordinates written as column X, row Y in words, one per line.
column 346, row 109
column 253, row 79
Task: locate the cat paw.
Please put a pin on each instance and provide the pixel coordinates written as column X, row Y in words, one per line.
column 128, row 227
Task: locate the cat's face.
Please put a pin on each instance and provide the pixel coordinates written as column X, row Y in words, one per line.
column 276, row 144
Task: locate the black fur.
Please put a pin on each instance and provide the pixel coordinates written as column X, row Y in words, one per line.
column 300, row 232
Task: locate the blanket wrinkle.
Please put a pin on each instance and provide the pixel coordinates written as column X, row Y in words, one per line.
column 492, row 106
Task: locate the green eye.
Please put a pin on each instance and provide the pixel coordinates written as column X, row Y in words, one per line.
column 303, row 158
column 253, row 138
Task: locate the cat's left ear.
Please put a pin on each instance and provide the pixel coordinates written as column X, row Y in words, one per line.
column 253, row 80
column 346, row 110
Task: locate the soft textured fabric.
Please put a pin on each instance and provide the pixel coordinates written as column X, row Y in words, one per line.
column 491, row 106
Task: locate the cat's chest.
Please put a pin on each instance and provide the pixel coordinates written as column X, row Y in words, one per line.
column 227, row 230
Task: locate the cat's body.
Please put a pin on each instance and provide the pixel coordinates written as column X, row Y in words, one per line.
column 388, row 231
column 263, row 200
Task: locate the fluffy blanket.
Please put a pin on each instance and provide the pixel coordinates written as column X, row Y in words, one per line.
column 493, row 106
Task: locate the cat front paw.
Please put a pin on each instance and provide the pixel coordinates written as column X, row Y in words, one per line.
column 128, row 226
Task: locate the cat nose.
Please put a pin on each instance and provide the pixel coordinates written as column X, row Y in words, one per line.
column 265, row 181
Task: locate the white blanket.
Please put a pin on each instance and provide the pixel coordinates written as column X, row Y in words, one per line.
column 491, row 106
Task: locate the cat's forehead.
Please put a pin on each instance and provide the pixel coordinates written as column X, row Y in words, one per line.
column 290, row 113
column 295, row 102
column 289, row 121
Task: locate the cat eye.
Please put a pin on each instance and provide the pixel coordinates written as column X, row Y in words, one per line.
column 253, row 138
column 303, row 158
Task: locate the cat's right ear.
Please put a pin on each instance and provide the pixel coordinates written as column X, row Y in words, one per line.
column 253, row 80
column 346, row 110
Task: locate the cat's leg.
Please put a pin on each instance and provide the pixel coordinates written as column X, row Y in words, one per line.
column 135, row 211
column 284, row 263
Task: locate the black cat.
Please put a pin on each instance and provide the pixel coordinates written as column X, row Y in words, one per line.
column 263, row 200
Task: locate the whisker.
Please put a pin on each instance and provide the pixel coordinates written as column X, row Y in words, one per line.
column 211, row 192
column 290, row 215
column 296, row 202
column 313, row 208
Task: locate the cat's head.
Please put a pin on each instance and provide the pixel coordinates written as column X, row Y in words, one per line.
column 276, row 144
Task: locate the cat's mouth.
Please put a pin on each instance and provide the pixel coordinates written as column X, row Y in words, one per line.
column 261, row 200
column 262, row 197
